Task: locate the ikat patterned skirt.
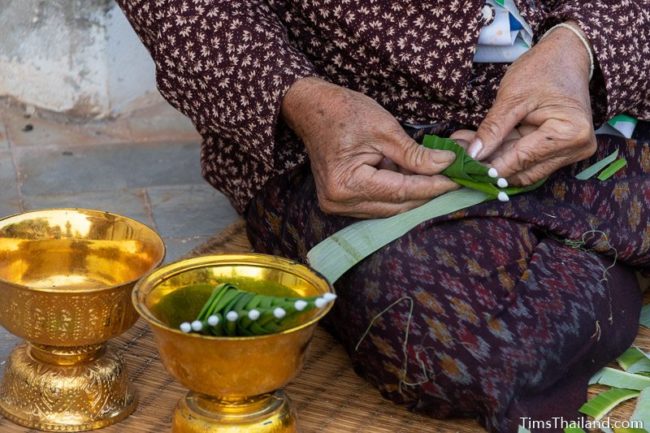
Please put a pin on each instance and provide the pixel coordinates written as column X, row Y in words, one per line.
column 502, row 311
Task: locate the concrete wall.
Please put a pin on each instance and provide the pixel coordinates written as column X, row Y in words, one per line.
column 79, row 57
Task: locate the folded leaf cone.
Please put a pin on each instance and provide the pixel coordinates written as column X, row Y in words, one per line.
column 232, row 307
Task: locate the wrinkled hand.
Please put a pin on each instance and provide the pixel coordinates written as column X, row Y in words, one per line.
column 541, row 118
column 355, row 148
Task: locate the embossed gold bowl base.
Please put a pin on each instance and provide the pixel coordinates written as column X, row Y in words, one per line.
column 269, row 413
column 66, row 277
column 81, row 389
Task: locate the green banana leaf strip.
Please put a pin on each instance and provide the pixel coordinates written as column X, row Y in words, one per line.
column 641, row 412
column 631, row 357
column 592, row 170
column 620, row 379
column 464, row 166
column 596, row 377
column 645, row 316
column 604, row 402
column 335, row 255
column 640, row 367
column 612, row 169
column 522, row 429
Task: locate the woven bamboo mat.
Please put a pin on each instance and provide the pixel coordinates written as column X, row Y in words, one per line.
column 328, row 395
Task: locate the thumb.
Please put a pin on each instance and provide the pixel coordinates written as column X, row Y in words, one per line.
column 408, row 154
column 500, row 120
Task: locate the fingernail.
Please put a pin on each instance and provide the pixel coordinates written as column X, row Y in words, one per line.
column 502, row 183
column 502, row 196
column 492, row 172
column 447, row 156
column 475, row 148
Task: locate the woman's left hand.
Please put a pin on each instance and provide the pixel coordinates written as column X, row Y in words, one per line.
column 541, row 118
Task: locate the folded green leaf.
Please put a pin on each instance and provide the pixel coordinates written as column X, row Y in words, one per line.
column 464, row 166
column 234, row 312
column 604, row 402
column 612, row 169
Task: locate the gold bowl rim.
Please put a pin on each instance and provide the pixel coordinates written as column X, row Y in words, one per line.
column 99, row 289
column 157, row 276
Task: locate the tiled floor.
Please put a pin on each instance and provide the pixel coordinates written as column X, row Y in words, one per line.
column 145, row 166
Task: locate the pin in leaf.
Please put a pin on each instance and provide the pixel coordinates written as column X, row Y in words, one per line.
column 467, row 171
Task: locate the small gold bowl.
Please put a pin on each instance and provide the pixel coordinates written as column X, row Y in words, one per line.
column 235, row 382
column 66, row 277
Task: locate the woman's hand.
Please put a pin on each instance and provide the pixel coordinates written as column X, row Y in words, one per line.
column 541, row 118
column 355, row 147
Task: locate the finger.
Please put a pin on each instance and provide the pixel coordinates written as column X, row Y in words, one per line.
column 406, row 153
column 463, row 137
column 509, row 141
column 392, row 187
column 500, row 120
column 530, row 150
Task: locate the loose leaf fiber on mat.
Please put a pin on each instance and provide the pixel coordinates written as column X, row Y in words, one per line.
column 620, row 379
column 642, row 411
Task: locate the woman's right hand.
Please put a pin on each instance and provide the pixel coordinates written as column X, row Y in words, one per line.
column 349, row 138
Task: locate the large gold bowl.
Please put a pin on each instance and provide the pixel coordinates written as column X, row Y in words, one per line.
column 235, row 382
column 66, row 277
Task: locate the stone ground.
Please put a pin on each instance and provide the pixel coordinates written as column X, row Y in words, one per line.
column 145, row 166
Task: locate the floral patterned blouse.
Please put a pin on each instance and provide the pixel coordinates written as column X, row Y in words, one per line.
column 227, row 65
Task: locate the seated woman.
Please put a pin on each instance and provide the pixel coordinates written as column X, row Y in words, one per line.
column 514, row 305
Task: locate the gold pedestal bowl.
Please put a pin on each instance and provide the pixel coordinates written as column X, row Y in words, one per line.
column 235, row 382
column 66, row 277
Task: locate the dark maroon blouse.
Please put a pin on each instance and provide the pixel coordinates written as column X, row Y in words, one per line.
column 227, row 64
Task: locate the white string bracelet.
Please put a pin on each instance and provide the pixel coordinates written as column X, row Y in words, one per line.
column 584, row 41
